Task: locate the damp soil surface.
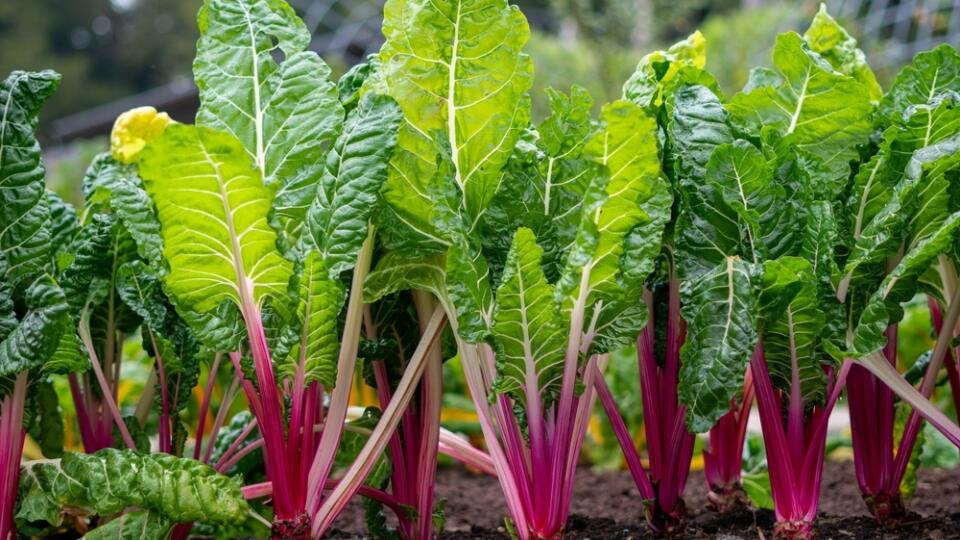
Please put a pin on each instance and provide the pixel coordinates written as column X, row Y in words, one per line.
column 606, row 505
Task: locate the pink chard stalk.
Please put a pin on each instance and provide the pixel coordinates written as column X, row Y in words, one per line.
column 393, row 327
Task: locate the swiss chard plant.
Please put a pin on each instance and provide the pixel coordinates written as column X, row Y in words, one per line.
column 534, row 239
column 41, row 339
column 673, row 87
column 899, row 204
column 776, row 168
column 263, row 210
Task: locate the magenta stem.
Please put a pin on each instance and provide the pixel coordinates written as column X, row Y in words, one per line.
column 12, row 436
column 205, row 405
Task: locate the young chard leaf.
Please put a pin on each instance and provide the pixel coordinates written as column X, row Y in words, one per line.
column 836, row 46
column 454, row 66
column 528, row 326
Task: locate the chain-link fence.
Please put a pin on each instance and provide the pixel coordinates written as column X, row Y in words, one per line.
column 895, row 30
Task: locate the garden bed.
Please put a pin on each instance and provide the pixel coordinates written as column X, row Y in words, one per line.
column 475, row 509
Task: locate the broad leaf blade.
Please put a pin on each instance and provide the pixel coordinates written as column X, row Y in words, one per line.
column 455, row 66
column 213, row 208
column 527, row 325
column 720, row 310
column 287, row 115
column 824, row 112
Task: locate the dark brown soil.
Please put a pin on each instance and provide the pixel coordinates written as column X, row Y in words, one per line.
column 606, row 505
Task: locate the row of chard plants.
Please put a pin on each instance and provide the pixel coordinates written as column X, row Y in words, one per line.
column 304, row 232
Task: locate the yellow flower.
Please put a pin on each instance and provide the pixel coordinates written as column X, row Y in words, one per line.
column 133, row 130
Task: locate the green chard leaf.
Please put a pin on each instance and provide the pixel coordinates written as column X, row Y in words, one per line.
column 454, row 66
column 720, row 308
column 792, row 324
column 899, row 286
column 544, row 183
column 286, row 116
column 63, row 223
column 37, row 335
column 621, row 227
column 931, row 73
column 213, row 208
column 337, row 225
column 820, row 110
column 355, row 171
column 178, row 490
column 827, row 38
column 45, row 419
column 25, row 213
column 913, row 211
column 396, row 272
column 707, row 229
column 744, row 181
column 528, row 326
column 110, row 184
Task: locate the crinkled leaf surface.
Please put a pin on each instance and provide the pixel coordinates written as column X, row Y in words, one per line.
column 455, row 66
column 140, row 525
column 24, row 212
column 720, row 308
column 899, row 286
column 707, row 229
column 36, row 336
column 213, row 208
column 544, row 183
column 355, row 171
column 178, row 489
column 527, row 325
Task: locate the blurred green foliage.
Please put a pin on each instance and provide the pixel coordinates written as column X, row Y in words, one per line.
column 105, row 49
